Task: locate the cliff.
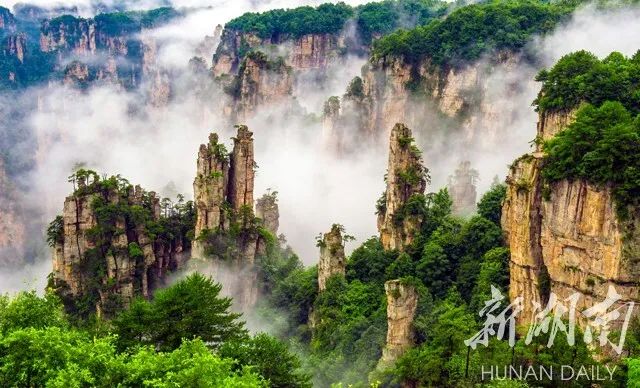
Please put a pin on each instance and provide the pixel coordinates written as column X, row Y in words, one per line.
column 267, row 210
column 7, row 20
column 260, row 82
column 426, row 97
column 402, row 303
column 227, row 231
column 406, row 177
column 332, row 258
column 565, row 237
column 13, row 231
column 16, row 46
column 110, row 245
column 118, row 52
column 311, row 51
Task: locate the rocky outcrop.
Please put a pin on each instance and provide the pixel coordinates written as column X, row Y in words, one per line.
column 260, row 82
column 207, row 48
column 121, row 55
column 13, row 231
column 312, row 51
column 76, row 73
column 332, row 258
column 565, row 237
column 402, row 304
column 103, row 257
column 226, row 229
column 406, row 177
column 16, row 46
column 267, row 210
column 68, row 33
column 242, row 170
column 462, row 189
column 7, row 21
column 429, row 97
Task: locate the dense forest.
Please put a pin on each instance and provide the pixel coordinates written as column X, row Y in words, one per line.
column 372, row 19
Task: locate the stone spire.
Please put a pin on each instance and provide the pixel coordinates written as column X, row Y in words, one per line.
column 406, row 177
column 462, row 188
column 242, row 171
column 332, row 257
column 223, row 191
column 402, row 303
column 267, row 210
column 210, row 187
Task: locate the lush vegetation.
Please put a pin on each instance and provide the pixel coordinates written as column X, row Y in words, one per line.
column 40, row 347
column 603, row 147
column 581, row 77
column 471, row 31
column 381, row 18
column 325, row 19
column 372, row 19
column 119, row 23
column 112, row 203
column 603, row 144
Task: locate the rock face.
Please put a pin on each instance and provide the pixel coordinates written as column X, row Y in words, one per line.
column 260, row 82
column 332, row 257
column 122, row 56
column 566, row 237
column 267, row 210
column 100, row 265
column 313, row 51
column 406, row 177
column 226, row 229
column 12, row 225
column 402, row 303
column 7, row 21
column 462, row 189
column 15, row 46
column 427, row 97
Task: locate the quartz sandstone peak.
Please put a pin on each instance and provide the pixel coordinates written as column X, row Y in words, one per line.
column 226, row 231
column 332, row 257
column 242, row 169
column 565, row 237
column 406, row 177
column 402, row 304
column 109, row 269
column 267, row 210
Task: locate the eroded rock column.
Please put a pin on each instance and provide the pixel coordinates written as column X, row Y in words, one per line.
column 406, row 177
column 402, row 303
column 332, row 257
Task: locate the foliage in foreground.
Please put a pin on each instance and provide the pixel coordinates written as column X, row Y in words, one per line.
column 40, row 347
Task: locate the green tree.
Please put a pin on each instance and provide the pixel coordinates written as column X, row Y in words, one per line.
column 191, row 308
column 28, row 310
column 268, row 357
column 490, row 205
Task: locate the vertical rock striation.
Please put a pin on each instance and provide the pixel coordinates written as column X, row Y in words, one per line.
column 402, row 304
column 565, row 237
column 15, row 46
column 226, row 229
column 260, row 82
column 406, row 177
column 7, row 20
column 332, row 257
column 267, row 210
column 242, row 170
column 104, row 252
